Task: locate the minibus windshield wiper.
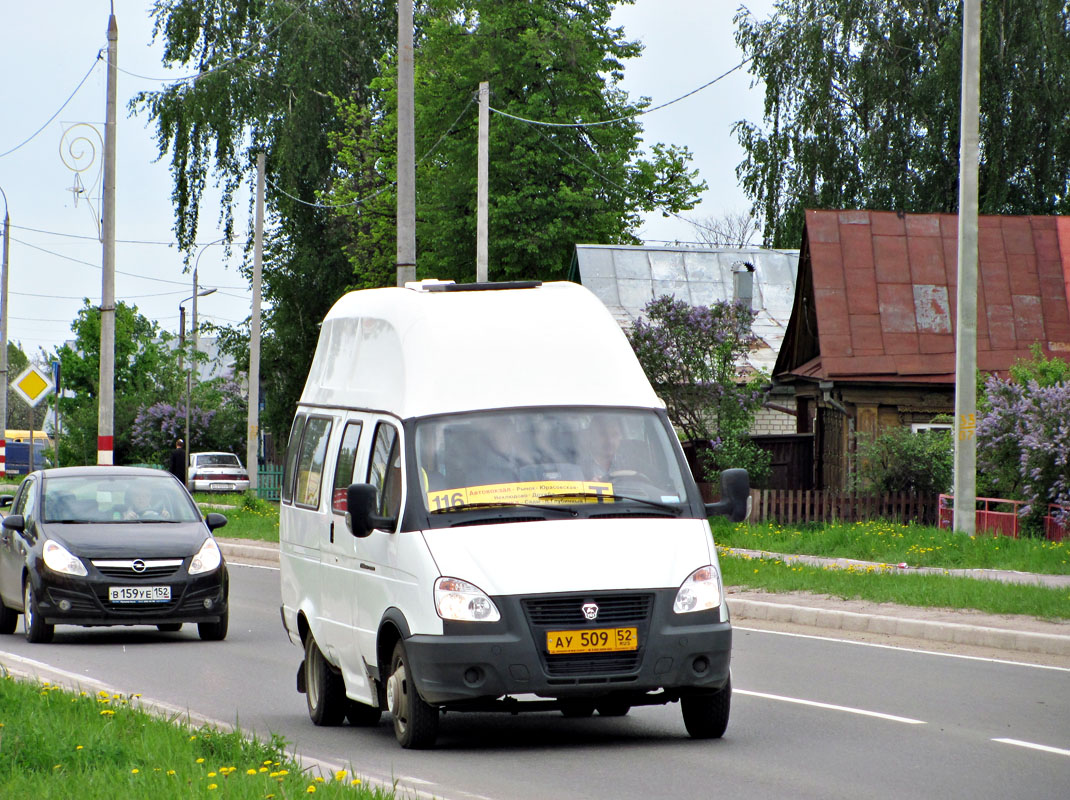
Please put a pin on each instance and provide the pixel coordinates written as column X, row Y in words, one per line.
column 476, row 506
column 675, row 510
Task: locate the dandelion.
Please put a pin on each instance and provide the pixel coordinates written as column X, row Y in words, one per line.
column 250, row 771
column 311, row 789
column 200, row 760
column 354, row 782
column 134, row 771
column 79, row 747
column 340, row 775
column 212, row 786
column 170, row 772
column 107, row 712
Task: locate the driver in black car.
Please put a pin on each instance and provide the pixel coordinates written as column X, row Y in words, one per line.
column 141, row 505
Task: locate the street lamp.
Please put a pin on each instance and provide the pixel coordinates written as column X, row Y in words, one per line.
column 182, row 343
column 3, row 339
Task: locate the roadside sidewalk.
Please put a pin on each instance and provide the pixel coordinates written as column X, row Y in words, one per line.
column 849, row 617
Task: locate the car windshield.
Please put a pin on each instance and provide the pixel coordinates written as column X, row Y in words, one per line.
column 218, row 460
column 547, row 457
column 93, row 498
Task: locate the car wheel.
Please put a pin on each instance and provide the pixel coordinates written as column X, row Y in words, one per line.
column 362, row 715
column 576, row 709
column 415, row 722
column 37, row 630
column 325, row 689
column 169, row 627
column 8, row 619
column 706, row 713
column 613, row 708
column 214, row 631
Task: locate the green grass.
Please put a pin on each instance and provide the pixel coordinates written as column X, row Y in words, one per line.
column 893, row 543
column 248, row 517
column 892, row 586
column 60, row 744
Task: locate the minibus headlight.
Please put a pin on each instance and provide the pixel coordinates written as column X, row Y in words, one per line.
column 460, row 600
column 207, row 558
column 59, row 559
column 700, row 592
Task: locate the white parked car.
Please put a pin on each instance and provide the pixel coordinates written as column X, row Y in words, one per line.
column 216, row 472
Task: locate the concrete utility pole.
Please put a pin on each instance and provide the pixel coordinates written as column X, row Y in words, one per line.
column 481, row 181
column 965, row 516
column 406, row 256
column 106, row 397
column 3, row 340
column 252, row 462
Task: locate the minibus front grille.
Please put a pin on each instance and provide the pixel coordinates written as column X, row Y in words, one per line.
column 592, row 664
column 545, row 612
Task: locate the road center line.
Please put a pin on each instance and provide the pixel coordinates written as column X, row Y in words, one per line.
column 1032, row 746
column 847, row 709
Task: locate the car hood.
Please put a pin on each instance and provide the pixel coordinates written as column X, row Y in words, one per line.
column 573, row 555
column 130, row 539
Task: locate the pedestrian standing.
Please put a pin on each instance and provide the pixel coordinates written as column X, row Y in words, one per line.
column 178, row 461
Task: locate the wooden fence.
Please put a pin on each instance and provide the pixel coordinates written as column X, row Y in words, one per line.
column 269, row 481
column 788, row 506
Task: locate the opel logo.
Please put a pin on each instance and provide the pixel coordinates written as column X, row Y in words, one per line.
column 590, row 611
column 138, row 566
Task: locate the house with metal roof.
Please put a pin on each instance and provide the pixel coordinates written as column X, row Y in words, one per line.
column 871, row 339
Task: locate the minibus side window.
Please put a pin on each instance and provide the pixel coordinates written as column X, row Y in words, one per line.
column 384, row 471
column 345, row 466
column 292, row 448
column 310, row 462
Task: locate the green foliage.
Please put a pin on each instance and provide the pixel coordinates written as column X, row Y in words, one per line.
column 899, row 460
column 692, row 356
column 146, row 369
column 862, row 109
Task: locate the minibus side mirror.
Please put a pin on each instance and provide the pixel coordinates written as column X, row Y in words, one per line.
column 361, row 519
column 735, row 496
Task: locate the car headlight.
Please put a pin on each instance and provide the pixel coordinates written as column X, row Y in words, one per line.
column 59, row 559
column 207, row 558
column 460, row 600
column 700, row 592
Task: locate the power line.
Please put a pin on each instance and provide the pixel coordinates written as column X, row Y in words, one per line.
column 58, row 110
column 172, row 243
column 638, row 113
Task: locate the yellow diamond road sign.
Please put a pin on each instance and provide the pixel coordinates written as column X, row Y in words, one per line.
column 33, row 385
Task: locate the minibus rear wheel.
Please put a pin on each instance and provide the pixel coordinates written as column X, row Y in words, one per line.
column 325, row 689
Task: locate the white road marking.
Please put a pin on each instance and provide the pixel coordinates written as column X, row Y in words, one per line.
column 830, row 707
column 1032, row 746
column 902, row 649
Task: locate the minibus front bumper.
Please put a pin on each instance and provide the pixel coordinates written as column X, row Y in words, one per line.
column 474, row 661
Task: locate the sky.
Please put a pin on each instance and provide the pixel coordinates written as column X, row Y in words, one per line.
column 48, row 48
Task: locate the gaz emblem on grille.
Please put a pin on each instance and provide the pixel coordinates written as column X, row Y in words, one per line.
column 590, row 611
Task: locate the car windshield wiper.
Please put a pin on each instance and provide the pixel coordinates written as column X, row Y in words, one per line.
column 675, row 510
column 476, row 506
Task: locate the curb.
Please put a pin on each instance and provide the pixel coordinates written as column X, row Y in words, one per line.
column 955, row 632
column 256, row 554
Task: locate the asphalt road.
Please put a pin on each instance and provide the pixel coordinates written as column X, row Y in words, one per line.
column 811, row 718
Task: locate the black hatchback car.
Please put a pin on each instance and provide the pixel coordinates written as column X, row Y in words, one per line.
column 109, row 546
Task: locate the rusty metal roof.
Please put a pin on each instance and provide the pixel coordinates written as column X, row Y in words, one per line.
column 627, row 277
column 877, row 295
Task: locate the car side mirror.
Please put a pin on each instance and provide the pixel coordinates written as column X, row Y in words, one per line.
column 6, row 500
column 735, row 496
column 15, row 522
column 361, row 503
column 214, row 520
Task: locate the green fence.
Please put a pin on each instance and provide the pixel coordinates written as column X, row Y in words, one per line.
column 269, row 482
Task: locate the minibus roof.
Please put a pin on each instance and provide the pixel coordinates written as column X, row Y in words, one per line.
column 438, row 348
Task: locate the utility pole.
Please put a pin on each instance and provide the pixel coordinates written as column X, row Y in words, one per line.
column 3, row 340
column 965, row 515
column 481, row 182
column 252, row 462
column 406, row 253
column 106, row 397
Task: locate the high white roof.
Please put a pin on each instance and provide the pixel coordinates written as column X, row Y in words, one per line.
column 413, row 352
column 627, row 277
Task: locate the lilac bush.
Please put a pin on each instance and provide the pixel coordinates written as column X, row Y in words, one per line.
column 157, row 427
column 694, row 358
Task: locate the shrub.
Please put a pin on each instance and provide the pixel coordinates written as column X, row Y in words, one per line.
column 900, row 460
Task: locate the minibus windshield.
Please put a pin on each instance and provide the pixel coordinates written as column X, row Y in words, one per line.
column 547, row 457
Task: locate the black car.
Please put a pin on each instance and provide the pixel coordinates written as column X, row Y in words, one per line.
column 109, row 546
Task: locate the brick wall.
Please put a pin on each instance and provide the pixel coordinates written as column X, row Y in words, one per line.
column 768, row 422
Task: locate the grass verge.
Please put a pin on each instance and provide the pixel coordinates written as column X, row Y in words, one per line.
column 893, row 543
column 248, row 516
column 891, row 586
column 59, row 744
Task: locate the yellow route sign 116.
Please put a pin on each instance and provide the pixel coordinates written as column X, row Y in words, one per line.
column 32, row 385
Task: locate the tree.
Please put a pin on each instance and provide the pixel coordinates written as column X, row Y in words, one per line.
column 550, row 186
column 901, row 460
column 692, row 356
column 732, row 229
column 146, row 369
column 862, row 109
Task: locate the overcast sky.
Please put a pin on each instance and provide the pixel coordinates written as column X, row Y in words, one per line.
column 47, row 48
